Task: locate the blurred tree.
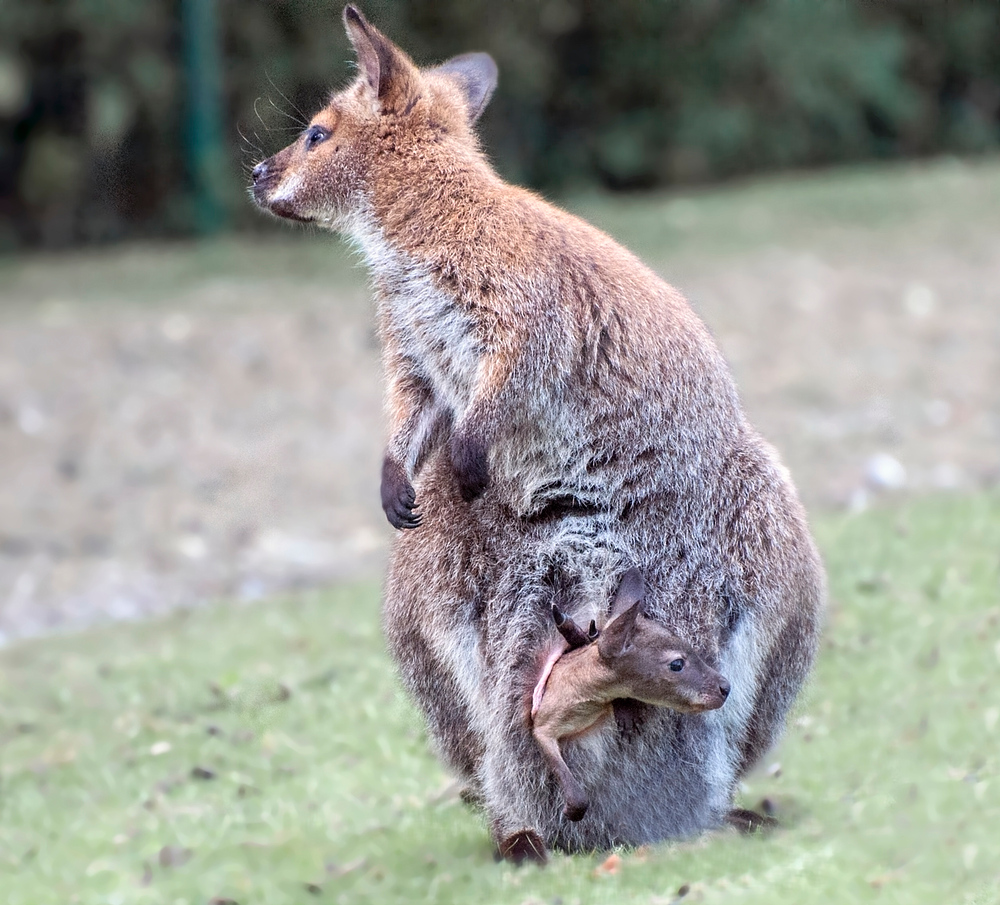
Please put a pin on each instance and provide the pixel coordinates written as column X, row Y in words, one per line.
column 628, row 94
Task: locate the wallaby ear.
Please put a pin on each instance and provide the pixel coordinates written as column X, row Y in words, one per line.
column 616, row 637
column 476, row 75
column 632, row 590
column 389, row 72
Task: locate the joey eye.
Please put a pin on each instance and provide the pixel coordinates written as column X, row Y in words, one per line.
column 676, row 665
column 314, row 135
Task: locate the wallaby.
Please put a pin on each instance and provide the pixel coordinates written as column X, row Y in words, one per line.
column 550, row 400
column 631, row 658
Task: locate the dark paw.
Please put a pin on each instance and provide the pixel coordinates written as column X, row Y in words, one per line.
column 629, row 715
column 471, row 461
column 398, row 496
column 523, row 846
column 575, row 810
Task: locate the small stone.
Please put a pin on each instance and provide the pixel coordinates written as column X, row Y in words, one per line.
column 30, row 420
column 885, row 472
column 192, row 546
column 919, row 300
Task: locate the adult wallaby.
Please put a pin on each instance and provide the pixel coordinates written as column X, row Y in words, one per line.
column 632, row 658
column 540, row 371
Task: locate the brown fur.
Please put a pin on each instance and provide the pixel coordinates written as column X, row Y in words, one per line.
column 551, row 403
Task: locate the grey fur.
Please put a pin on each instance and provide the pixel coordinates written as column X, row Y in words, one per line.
column 468, row 618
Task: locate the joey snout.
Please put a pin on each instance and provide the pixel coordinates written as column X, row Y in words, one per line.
column 711, row 696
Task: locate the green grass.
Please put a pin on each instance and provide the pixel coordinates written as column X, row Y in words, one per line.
column 944, row 201
column 316, row 771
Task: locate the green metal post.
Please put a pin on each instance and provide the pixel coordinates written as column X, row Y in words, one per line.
column 205, row 148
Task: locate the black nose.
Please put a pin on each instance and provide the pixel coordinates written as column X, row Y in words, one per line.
column 724, row 688
column 259, row 171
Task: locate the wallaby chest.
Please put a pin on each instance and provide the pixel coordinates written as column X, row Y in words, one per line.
column 443, row 341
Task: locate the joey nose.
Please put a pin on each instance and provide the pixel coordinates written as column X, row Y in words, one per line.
column 724, row 689
column 259, row 171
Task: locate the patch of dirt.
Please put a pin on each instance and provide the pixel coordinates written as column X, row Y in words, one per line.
column 224, row 440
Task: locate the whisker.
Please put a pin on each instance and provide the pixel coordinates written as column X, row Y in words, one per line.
column 303, row 120
column 253, row 146
column 257, row 112
column 285, row 113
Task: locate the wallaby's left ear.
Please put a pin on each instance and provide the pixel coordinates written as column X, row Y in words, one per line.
column 391, row 75
column 616, row 637
column 476, row 75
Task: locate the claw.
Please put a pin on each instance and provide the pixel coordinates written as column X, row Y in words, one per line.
column 398, row 496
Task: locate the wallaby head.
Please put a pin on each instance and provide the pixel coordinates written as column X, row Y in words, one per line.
column 652, row 664
column 375, row 130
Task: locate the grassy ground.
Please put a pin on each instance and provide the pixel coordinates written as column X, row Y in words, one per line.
column 264, row 754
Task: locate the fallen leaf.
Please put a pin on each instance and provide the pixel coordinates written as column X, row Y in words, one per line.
column 610, row 865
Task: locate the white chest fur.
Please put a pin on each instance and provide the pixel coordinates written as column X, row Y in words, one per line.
column 431, row 328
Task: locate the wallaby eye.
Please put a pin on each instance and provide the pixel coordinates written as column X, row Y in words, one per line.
column 315, row 135
column 676, row 665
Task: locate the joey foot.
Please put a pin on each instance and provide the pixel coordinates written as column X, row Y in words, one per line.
column 471, row 461
column 398, row 496
column 523, row 846
column 629, row 715
column 576, row 809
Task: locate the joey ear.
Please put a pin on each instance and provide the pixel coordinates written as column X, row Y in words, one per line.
column 616, row 637
column 632, row 590
column 476, row 75
column 389, row 72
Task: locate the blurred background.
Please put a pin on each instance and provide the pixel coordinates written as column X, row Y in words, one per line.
column 189, row 392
